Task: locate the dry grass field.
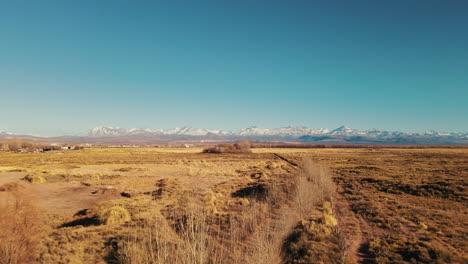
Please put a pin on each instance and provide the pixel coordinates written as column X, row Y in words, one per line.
column 156, row 205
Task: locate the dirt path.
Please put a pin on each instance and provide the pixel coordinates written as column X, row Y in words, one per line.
column 285, row 159
column 355, row 231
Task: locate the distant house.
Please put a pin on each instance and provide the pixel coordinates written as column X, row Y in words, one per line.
column 68, row 147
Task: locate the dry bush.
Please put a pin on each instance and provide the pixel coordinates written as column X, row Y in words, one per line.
column 267, row 240
column 193, row 227
column 20, row 230
column 147, row 244
column 257, row 232
column 184, row 238
column 313, row 185
column 316, row 239
column 192, row 235
column 242, row 147
column 396, row 248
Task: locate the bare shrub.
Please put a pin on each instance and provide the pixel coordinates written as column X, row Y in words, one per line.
column 185, row 238
column 192, row 235
column 316, row 239
column 313, row 185
column 20, row 230
column 241, row 147
column 147, row 244
column 267, row 240
column 5, row 147
column 194, row 230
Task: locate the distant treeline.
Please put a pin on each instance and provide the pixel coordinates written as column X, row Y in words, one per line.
column 15, row 145
column 241, row 147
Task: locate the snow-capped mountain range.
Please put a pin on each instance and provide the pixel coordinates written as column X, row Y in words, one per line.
column 297, row 134
column 291, row 133
column 109, row 131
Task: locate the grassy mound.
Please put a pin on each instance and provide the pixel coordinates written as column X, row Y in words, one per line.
column 35, row 179
column 114, row 215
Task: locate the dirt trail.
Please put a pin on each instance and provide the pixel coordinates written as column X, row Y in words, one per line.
column 61, row 198
column 287, row 160
column 355, row 231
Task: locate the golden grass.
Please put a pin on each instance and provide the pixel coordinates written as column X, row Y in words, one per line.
column 114, row 215
column 35, row 179
column 21, row 228
column 408, row 204
column 11, row 169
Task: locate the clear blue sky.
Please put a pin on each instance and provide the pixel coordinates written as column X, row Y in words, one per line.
column 67, row 66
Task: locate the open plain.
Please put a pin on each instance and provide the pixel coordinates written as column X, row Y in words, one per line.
column 274, row 205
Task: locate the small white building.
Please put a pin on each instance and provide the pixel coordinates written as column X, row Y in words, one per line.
column 68, row 147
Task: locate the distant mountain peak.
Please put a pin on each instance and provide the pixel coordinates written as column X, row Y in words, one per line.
column 343, row 133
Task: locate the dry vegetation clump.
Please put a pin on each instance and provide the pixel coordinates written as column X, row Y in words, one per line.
column 12, row 169
column 194, row 232
column 408, row 204
column 314, row 240
column 242, row 147
column 91, row 178
column 21, row 229
column 165, row 188
column 313, row 185
column 252, row 226
column 269, row 227
column 397, row 249
column 183, row 237
column 35, row 178
column 113, row 215
column 147, row 244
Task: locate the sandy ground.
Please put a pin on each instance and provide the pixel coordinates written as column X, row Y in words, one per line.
column 61, row 198
column 8, row 177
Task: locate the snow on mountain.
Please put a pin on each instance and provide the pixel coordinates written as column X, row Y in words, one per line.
column 344, row 131
column 322, row 131
column 290, row 131
column 295, row 131
column 189, row 131
column 283, row 132
column 139, row 131
column 109, row 131
column 253, row 131
column 106, row 131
